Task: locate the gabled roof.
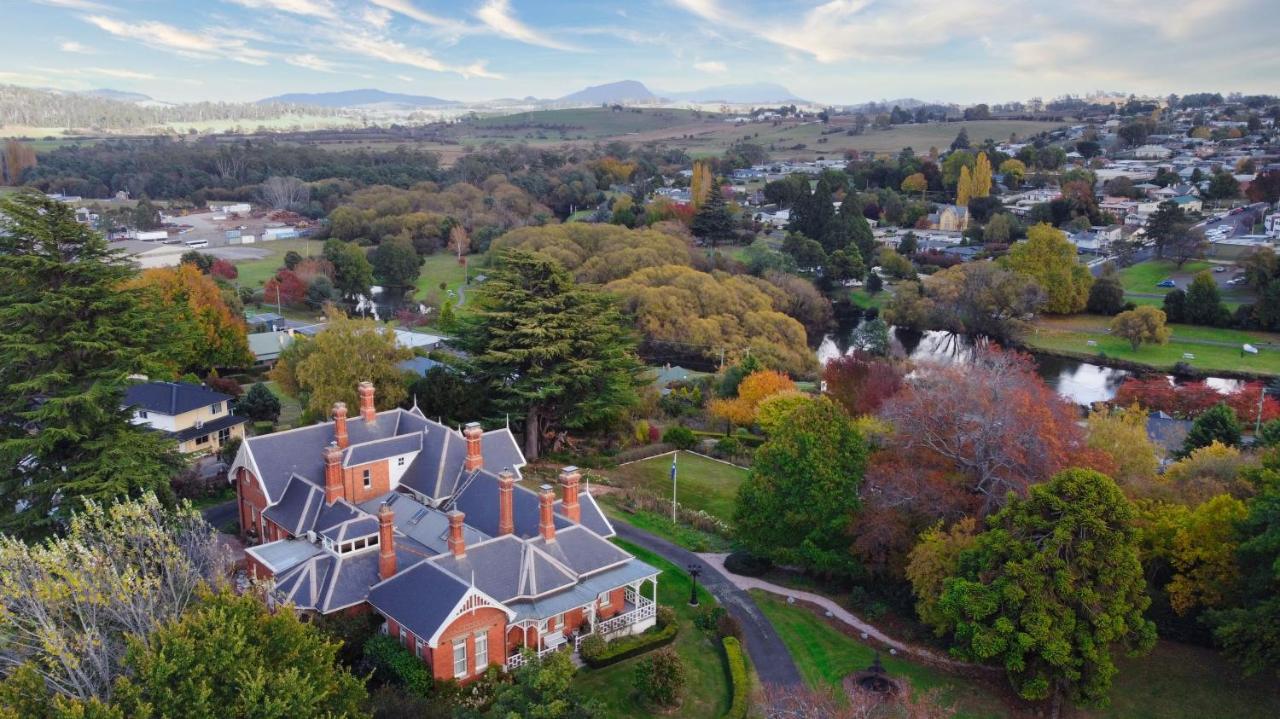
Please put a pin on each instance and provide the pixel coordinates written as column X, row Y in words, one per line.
column 420, row 598
column 479, row 500
column 298, row 507
column 384, row 448
column 508, row 568
column 329, row 582
column 590, row 514
column 171, row 398
column 501, row 451
column 362, row 526
column 581, row 550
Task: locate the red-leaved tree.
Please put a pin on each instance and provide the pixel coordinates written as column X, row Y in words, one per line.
column 1190, row 399
column 223, row 269
column 286, row 287
column 861, row 382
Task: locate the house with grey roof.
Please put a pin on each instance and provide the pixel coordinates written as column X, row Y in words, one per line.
column 197, row 418
column 432, row 528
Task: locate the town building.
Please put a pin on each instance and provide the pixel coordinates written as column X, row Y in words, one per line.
column 950, row 218
column 198, row 419
column 432, row 529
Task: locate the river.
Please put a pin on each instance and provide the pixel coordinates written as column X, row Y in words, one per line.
column 1081, row 382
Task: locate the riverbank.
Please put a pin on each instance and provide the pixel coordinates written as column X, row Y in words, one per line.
column 1205, row 350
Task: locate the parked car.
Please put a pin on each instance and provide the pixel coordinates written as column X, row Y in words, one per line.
column 1219, row 268
column 1166, row 283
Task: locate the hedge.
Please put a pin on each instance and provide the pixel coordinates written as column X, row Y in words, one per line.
column 633, row 645
column 740, row 677
column 393, row 663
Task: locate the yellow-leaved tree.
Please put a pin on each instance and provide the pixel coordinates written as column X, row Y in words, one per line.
column 1122, row 434
column 1204, row 555
column 982, row 176
column 753, row 390
column 209, row 333
column 1050, row 259
column 964, row 187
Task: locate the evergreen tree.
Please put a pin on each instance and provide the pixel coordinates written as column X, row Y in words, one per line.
column 1204, row 302
column 1051, row 588
column 259, row 404
column 69, row 336
column 859, row 228
column 1216, row 424
column 713, row 222
column 549, row 351
column 813, row 214
column 1175, row 306
column 962, row 140
column 1106, row 296
column 1164, row 224
column 907, row 246
column 396, row 264
column 352, row 273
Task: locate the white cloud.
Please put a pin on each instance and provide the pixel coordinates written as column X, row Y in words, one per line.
column 388, row 50
column 119, row 73
column 404, row 78
column 311, row 8
column 497, row 16
column 413, row 12
column 376, row 16
column 310, row 62
column 75, row 4
column 714, row 67
column 183, row 42
column 75, row 47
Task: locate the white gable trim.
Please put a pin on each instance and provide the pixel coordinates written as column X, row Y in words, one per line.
column 471, row 601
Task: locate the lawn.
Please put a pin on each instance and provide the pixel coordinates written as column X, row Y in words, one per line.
column 661, row 525
column 863, row 299
column 1180, row 681
column 1144, row 276
column 1072, row 336
column 825, row 656
column 707, row 690
column 702, row 483
column 255, row 273
column 438, row 268
column 290, row 408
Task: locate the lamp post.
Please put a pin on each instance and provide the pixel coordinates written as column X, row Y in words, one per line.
column 694, row 572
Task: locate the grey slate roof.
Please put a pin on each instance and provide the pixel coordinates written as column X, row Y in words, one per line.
column 426, row 526
column 420, row 365
column 506, row 568
column 382, row 449
column 581, row 550
column 298, row 507
column 419, row 598
column 227, row 420
column 479, row 500
column 501, row 451
column 171, row 398
column 299, row 451
column 361, row 526
column 330, row 582
column 583, row 593
column 590, row 514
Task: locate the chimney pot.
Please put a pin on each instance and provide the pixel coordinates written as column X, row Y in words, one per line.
column 367, row 411
column 340, row 424
column 457, row 543
column 386, row 542
column 547, row 523
column 506, row 517
column 569, row 480
column 473, row 433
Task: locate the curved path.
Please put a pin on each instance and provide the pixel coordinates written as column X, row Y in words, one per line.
column 772, row 661
column 835, row 610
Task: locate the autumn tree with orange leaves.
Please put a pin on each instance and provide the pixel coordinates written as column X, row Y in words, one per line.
column 757, row 386
column 208, row 333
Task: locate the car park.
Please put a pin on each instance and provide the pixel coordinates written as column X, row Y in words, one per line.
column 1166, row 283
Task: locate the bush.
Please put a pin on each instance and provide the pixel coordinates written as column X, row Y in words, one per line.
column 633, row 645
column 394, row 664
column 707, row 617
column 728, row 626
column 660, row 678
column 641, row 431
column 680, row 436
column 666, row 616
column 728, row 446
column 746, row 564
column 741, row 679
column 592, row 648
column 261, row 428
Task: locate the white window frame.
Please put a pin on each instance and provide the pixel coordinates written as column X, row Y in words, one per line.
column 142, row 414
column 417, row 647
column 460, row 644
column 215, row 408
column 368, row 478
column 482, row 650
column 606, row 600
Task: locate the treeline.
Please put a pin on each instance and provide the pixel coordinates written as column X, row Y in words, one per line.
column 30, row 107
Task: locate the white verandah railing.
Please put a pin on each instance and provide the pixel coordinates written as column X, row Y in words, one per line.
column 644, row 609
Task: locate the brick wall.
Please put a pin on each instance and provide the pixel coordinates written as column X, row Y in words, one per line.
column 251, row 500
column 487, row 619
column 379, row 479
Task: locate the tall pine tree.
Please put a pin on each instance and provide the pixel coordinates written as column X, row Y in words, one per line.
column 69, row 336
column 549, row 351
column 713, row 223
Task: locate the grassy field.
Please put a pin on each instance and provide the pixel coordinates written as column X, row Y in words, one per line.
column 290, row 408
column 702, row 483
column 861, row 298
column 1073, row 334
column 582, row 123
column 255, row 273
column 825, row 656
column 438, row 268
column 661, row 525
column 1180, row 681
column 707, row 689
column 1142, row 278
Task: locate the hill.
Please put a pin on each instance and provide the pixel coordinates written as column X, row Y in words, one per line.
column 622, row 91
column 747, row 93
column 357, row 98
column 118, row 95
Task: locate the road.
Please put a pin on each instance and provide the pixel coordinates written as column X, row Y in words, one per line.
column 772, row 661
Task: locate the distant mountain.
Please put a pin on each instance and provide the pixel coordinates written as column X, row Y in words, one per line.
column 357, row 98
column 755, row 92
column 120, row 95
column 623, row 91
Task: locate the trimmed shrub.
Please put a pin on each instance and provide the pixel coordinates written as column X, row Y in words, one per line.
column 707, row 617
column 741, row 679
column 633, row 645
column 666, row 616
column 592, row 648
column 746, row 564
column 394, row 664
column 727, row 626
column 680, row 436
column 660, row 678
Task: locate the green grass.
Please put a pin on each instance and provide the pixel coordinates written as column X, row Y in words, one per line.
column 579, row 122
column 707, row 691
column 290, row 408
column 701, row 483
column 255, row 273
column 1162, row 357
column 441, row 267
column 1144, row 276
column 825, row 656
column 861, row 298
column 1180, row 681
column 683, row 535
column 226, row 495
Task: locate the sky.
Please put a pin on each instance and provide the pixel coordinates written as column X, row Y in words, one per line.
column 841, row 51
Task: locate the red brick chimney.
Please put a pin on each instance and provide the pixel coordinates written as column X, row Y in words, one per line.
column 506, row 517
column 333, row 490
column 386, row 542
column 457, row 544
column 340, row 424
column 473, row 434
column 547, row 525
column 569, row 478
column 367, row 410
